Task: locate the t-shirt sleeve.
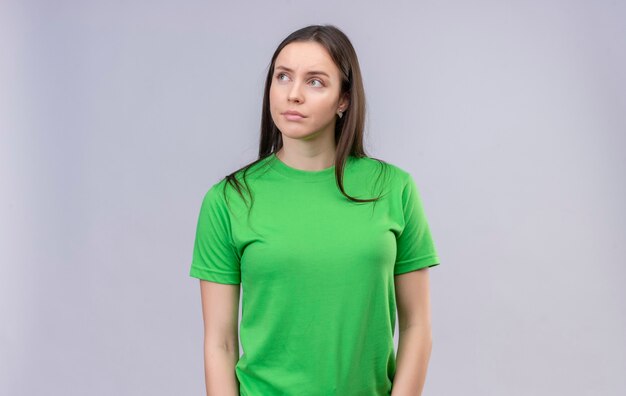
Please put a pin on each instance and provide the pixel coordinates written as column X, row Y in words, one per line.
column 214, row 254
column 415, row 245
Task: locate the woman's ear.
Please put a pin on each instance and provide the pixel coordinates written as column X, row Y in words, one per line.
column 345, row 101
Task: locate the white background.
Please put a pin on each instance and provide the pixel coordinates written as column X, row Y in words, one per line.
column 116, row 117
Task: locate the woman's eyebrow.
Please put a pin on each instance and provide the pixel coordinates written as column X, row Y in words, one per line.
column 308, row 73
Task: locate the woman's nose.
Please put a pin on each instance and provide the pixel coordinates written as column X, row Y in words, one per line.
column 294, row 93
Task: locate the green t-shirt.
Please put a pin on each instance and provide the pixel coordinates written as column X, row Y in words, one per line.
column 317, row 273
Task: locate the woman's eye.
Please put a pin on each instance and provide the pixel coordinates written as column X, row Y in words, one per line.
column 280, row 75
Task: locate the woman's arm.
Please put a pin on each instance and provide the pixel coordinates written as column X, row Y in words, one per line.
column 415, row 336
column 220, row 311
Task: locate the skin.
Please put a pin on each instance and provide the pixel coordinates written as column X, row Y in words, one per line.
column 415, row 332
column 308, row 144
column 220, row 311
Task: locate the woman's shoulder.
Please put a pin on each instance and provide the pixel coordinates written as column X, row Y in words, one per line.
column 372, row 165
column 232, row 182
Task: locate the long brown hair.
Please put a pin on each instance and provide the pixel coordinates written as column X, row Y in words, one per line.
column 349, row 129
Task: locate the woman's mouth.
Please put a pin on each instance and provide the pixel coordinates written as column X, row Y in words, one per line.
column 293, row 115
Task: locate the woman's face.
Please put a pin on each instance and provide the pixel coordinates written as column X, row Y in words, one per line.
column 305, row 80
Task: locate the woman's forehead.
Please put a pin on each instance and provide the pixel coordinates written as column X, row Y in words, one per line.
column 305, row 57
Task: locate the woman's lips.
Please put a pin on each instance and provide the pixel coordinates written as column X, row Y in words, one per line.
column 293, row 117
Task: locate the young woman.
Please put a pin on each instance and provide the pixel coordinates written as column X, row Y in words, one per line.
column 325, row 241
